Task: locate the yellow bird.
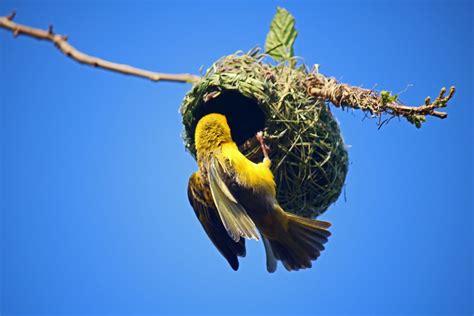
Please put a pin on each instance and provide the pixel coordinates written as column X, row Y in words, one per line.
column 235, row 198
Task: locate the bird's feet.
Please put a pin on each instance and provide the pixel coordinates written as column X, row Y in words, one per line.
column 265, row 148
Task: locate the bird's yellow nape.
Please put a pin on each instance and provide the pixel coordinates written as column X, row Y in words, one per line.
column 211, row 132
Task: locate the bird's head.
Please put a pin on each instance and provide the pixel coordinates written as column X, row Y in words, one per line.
column 211, row 132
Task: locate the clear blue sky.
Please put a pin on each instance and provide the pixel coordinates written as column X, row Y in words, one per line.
column 94, row 213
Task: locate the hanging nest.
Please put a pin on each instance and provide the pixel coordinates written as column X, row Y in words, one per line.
column 309, row 158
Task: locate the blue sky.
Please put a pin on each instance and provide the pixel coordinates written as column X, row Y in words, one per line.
column 94, row 213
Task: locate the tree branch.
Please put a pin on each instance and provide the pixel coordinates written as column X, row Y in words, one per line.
column 343, row 95
column 60, row 41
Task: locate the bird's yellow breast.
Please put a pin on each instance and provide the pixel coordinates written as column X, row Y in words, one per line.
column 257, row 176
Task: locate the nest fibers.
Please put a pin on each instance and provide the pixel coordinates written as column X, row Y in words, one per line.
column 309, row 158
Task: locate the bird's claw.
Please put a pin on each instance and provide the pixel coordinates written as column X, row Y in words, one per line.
column 265, row 148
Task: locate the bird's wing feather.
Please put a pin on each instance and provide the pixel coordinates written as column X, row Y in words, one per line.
column 201, row 200
column 233, row 215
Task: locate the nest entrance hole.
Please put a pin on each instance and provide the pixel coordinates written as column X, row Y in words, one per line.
column 244, row 115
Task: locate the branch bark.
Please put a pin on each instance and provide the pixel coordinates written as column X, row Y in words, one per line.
column 343, row 95
column 61, row 42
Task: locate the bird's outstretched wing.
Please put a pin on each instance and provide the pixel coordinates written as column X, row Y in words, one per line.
column 200, row 197
column 233, row 215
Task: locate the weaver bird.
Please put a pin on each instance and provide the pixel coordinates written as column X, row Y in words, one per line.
column 235, row 198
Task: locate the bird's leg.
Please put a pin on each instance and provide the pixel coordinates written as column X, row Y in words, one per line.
column 264, row 147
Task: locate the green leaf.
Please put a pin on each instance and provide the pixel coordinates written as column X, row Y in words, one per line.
column 281, row 37
column 387, row 97
column 416, row 120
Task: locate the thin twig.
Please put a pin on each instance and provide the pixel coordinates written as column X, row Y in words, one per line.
column 60, row 41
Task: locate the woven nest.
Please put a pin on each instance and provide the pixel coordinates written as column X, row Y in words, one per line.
column 309, row 158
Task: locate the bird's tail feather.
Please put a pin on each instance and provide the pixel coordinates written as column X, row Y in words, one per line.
column 271, row 260
column 302, row 243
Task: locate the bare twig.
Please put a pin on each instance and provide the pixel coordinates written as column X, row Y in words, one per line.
column 343, row 95
column 60, row 41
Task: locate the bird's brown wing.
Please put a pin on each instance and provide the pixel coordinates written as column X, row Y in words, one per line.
column 200, row 197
